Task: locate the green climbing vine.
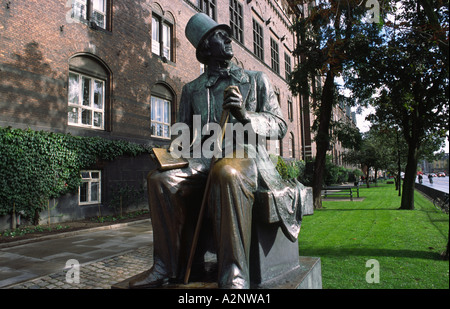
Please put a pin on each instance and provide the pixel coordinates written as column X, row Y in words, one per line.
column 36, row 165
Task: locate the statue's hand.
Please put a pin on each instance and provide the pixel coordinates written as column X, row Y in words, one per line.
column 232, row 100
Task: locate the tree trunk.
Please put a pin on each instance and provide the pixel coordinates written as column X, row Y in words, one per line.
column 410, row 176
column 445, row 253
column 399, row 167
column 322, row 138
column 367, row 177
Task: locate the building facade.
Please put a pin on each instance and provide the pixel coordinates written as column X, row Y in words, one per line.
column 115, row 69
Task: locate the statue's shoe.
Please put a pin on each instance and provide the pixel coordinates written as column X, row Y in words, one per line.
column 149, row 279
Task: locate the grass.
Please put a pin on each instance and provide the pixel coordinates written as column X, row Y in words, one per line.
column 407, row 244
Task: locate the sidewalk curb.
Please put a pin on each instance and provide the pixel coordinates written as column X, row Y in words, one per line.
column 68, row 234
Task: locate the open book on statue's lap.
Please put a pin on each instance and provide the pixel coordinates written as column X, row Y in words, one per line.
column 167, row 161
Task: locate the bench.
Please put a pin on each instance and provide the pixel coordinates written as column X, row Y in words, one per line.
column 341, row 190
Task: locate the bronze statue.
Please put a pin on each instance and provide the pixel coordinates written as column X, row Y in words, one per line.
column 239, row 188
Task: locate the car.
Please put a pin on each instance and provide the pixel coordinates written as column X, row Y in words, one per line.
column 441, row 174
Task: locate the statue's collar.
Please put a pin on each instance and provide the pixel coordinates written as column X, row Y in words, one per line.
column 214, row 73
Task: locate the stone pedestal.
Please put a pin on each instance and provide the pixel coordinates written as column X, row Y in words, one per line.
column 307, row 276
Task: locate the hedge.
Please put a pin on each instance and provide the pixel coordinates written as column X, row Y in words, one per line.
column 304, row 172
column 36, row 165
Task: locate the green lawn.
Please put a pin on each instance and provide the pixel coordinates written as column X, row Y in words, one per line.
column 407, row 244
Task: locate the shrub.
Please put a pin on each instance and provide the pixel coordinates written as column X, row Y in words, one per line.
column 292, row 169
column 333, row 174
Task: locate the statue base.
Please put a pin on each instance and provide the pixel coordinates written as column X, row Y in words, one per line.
column 308, row 275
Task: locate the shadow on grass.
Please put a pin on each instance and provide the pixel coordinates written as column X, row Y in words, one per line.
column 372, row 253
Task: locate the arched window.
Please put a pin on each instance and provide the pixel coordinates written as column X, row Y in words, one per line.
column 88, row 93
column 162, row 33
column 291, row 146
column 161, row 110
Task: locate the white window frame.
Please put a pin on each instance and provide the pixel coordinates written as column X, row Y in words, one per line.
column 156, row 24
column 86, row 176
column 161, row 37
column 273, row 147
column 99, row 8
column 166, row 41
column 81, row 12
column 91, row 107
column 85, row 10
column 277, row 147
column 157, row 116
column 291, row 145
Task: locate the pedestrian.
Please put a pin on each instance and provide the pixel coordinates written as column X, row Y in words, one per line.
column 420, row 178
column 430, row 178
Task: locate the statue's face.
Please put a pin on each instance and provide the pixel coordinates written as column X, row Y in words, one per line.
column 220, row 45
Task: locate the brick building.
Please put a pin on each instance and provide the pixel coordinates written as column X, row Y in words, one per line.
column 115, row 69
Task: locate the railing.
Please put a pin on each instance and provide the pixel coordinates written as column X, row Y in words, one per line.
column 438, row 197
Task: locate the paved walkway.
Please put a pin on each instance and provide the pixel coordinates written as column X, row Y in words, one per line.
column 105, row 256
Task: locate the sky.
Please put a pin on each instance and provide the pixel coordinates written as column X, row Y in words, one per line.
column 361, row 122
column 364, row 125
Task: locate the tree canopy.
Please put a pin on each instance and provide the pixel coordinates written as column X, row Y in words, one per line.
column 405, row 77
column 398, row 64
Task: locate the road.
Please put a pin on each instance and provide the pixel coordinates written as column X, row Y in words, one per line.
column 439, row 183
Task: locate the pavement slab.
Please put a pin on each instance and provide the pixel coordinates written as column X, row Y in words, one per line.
column 104, row 257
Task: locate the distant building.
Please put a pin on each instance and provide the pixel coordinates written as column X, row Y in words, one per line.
column 439, row 165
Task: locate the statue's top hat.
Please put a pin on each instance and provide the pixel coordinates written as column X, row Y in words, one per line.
column 199, row 27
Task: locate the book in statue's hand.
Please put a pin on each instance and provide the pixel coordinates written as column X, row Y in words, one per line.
column 167, row 161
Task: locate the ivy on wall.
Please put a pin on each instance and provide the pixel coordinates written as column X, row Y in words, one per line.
column 36, row 165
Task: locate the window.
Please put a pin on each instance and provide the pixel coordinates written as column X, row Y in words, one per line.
column 236, row 22
column 277, row 95
column 86, row 105
column 79, row 9
column 275, row 59
column 161, row 38
column 161, row 110
column 290, row 111
column 287, row 65
column 277, row 148
column 92, row 11
column 291, row 145
column 258, row 47
column 202, row 68
column 99, row 13
column 160, row 117
column 89, row 93
column 273, row 147
column 90, row 188
column 208, row 7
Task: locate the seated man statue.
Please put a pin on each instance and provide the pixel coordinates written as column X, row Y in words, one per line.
column 175, row 195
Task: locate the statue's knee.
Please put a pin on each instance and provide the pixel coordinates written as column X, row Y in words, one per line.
column 224, row 172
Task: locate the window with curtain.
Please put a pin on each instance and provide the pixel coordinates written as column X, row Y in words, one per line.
column 160, row 117
column 161, row 37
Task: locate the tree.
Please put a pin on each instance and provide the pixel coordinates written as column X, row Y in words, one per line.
column 328, row 33
column 409, row 71
column 368, row 155
column 391, row 148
